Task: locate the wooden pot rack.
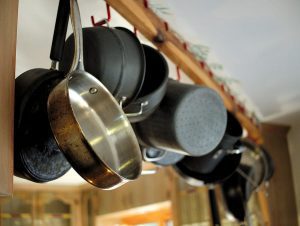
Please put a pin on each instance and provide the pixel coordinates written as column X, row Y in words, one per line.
column 156, row 30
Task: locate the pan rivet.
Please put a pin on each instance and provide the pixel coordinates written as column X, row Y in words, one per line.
column 93, row 90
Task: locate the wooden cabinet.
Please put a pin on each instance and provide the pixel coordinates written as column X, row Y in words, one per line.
column 41, row 208
column 8, row 34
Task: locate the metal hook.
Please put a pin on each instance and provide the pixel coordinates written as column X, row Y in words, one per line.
column 104, row 21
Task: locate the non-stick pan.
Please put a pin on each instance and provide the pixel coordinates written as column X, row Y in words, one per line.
column 154, row 87
column 225, row 168
column 89, row 125
column 37, row 156
column 114, row 56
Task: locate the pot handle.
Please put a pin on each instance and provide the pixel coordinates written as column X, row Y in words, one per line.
column 134, row 114
column 77, row 63
column 60, row 31
column 149, row 159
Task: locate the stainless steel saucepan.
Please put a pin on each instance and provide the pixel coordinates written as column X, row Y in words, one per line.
column 89, row 125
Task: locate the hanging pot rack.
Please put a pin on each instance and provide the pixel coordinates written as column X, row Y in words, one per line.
column 138, row 13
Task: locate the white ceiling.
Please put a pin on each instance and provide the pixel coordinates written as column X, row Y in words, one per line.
column 257, row 41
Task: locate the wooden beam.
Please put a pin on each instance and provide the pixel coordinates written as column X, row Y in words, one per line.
column 153, row 28
column 264, row 206
column 8, row 34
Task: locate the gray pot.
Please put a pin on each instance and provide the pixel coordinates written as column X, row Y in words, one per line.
column 190, row 120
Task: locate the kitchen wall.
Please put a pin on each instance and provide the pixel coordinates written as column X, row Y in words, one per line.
column 294, row 149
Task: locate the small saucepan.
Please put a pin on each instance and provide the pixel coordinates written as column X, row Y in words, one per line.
column 89, row 125
column 154, row 87
column 114, row 56
column 190, row 120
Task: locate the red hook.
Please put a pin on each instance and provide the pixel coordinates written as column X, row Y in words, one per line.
column 178, row 73
column 135, row 31
column 104, row 21
column 202, row 64
column 166, row 25
column 146, row 5
column 210, row 73
column 185, row 46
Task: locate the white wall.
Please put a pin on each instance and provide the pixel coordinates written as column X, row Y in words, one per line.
column 294, row 148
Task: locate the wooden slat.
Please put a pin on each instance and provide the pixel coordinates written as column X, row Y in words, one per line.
column 8, row 25
column 264, row 206
column 153, row 28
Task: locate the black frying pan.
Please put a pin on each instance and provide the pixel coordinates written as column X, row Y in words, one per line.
column 225, row 168
column 36, row 154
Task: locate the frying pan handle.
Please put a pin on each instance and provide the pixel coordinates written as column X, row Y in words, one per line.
column 60, row 31
column 214, row 206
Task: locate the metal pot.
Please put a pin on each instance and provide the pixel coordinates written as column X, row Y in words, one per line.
column 154, row 87
column 190, row 120
column 114, row 56
column 37, row 156
column 89, row 125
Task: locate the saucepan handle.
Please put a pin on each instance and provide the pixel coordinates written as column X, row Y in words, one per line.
column 146, row 157
column 134, row 114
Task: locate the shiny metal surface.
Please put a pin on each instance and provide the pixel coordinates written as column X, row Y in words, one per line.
column 90, row 127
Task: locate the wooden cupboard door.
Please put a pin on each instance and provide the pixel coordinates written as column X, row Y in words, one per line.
column 8, row 25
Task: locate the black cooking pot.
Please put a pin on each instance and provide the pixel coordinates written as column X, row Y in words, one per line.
column 154, row 86
column 114, row 56
column 37, row 156
column 190, row 120
column 224, row 169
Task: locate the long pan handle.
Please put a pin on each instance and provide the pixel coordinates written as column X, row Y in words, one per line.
column 60, row 30
column 214, row 206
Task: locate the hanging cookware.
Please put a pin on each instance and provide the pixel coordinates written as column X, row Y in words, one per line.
column 229, row 145
column 254, row 169
column 36, row 154
column 225, row 168
column 89, row 125
column 114, row 56
column 160, row 157
column 190, row 120
column 234, row 197
column 214, row 208
column 154, row 86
